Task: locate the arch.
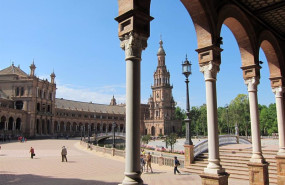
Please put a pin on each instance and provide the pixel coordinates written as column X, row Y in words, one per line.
column 38, row 126
column 55, row 126
column 48, row 126
column 68, row 125
column 38, row 107
column 44, row 127
column 62, row 127
column 153, row 131
column 109, row 127
column 237, row 21
column 104, row 127
column 10, row 123
column 2, row 123
column 98, row 127
column 74, row 127
column 273, row 53
column 202, row 22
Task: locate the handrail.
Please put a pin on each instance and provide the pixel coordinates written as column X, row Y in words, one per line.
column 202, row 146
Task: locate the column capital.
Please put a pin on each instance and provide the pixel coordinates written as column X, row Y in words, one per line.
column 252, row 83
column 210, row 70
column 278, row 91
column 133, row 44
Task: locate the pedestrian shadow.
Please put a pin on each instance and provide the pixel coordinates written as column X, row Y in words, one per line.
column 71, row 162
column 2, row 154
column 28, row 179
column 185, row 174
column 149, row 173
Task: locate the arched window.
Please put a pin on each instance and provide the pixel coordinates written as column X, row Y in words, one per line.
column 18, row 124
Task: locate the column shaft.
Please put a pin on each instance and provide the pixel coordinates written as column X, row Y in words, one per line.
column 210, row 71
column 132, row 116
column 280, row 119
column 254, row 117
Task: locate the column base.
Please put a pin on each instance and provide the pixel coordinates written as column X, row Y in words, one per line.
column 258, row 173
column 280, row 169
column 132, row 178
column 189, row 155
column 215, row 179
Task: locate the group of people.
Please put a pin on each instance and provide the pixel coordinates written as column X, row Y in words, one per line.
column 147, row 160
column 22, row 139
column 63, row 153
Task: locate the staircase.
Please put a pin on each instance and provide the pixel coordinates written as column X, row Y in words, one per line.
column 235, row 162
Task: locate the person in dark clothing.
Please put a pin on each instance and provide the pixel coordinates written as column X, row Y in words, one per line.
column 176, row 164
column 32, row 151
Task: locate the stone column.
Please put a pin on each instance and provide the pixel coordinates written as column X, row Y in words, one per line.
column 258, row 167
column 209, row 61
column 133, row 44
column 210, row 71
column 254, row 117
column 278, row 91
column 280, row 157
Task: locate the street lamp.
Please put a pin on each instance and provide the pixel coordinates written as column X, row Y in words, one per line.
column 186, row 70
column 227, row 107
column 114, row 126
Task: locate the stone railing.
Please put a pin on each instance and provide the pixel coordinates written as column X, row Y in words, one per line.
column 202, row 146
column 156, row 159
column 104, row 150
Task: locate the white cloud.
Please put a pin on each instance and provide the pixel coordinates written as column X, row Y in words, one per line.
column 100, row 95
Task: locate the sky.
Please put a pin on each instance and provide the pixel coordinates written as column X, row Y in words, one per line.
column 78, row 40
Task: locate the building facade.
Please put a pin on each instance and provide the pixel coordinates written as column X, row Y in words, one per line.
column 28, row 107
column 161, row 120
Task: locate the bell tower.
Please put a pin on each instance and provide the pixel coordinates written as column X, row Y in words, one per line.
column 162, row 105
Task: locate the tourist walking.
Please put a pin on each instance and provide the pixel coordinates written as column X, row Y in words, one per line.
column 32, row 151
column 176, row 164
column 63, row 154
column 148, row 162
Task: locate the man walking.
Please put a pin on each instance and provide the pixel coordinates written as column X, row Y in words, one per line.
column 63, row 154
column 176, row 164
column 148, row 162
column 32, row 151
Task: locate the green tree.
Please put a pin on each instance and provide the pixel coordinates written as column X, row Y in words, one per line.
column 239, row 114
column 180, row 114
column 171, row 140
column 268, row 119
column 146, row 138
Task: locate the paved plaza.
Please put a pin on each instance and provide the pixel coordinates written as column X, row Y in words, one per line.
column 84, row 167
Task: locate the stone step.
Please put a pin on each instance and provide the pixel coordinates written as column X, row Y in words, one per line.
column 233, row 163
column 236, row 174
column 228, row 167
column 230, row 160
column 266, row 152
column 234, row 157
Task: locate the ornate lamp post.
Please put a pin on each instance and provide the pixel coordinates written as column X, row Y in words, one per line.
column 114, row 126
column 186, row 70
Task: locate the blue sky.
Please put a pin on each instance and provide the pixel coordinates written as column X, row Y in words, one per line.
column 79, row 41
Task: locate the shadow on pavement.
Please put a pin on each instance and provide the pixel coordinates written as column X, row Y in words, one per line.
column 28, row 179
